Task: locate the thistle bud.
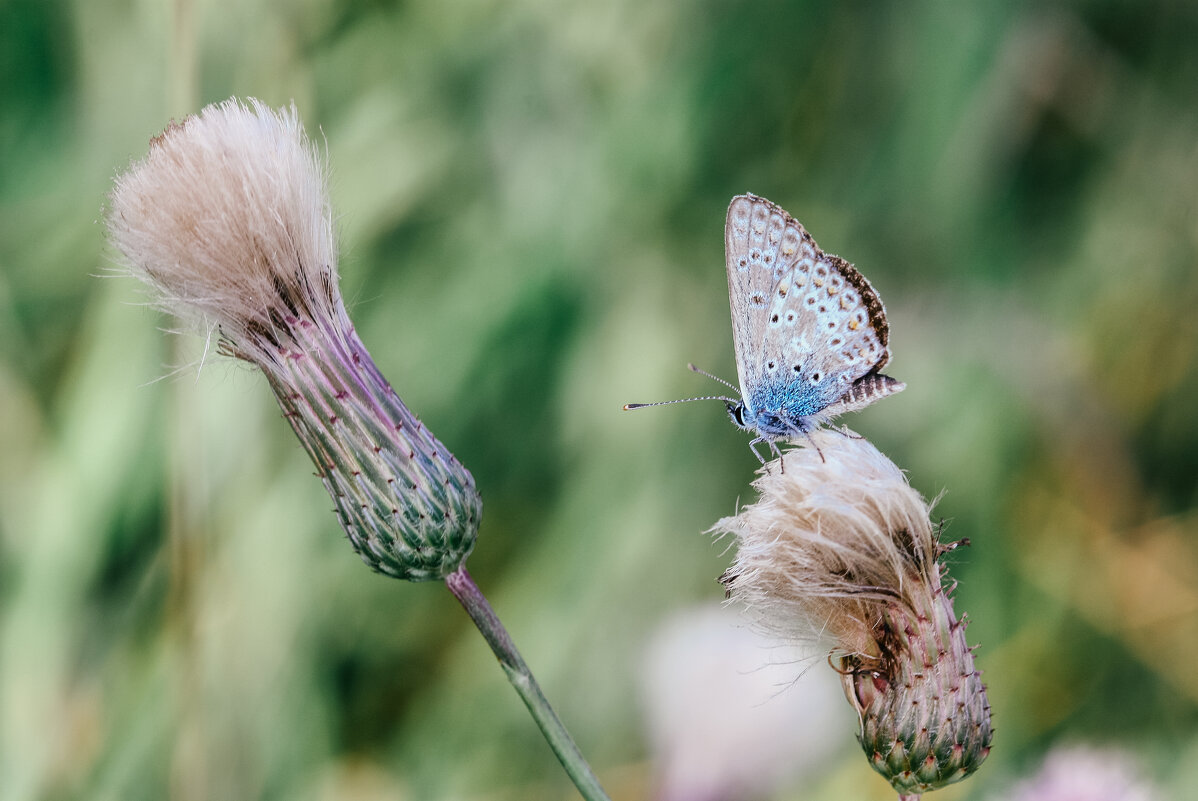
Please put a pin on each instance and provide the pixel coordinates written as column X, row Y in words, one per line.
column 228, row 219
column 840, row 548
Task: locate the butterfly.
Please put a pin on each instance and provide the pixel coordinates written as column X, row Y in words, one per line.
column 810, row 332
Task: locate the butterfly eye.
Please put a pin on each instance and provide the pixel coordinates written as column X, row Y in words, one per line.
column 850, row 297
column 831, row 323
column 835, row 341
column 743, row 263
column 771, row 366
column 815, row 377
column 798, row 369
column 790, row 317
column 754, row 255
column 774, row 319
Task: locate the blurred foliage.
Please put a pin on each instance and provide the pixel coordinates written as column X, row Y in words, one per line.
column 531, row 198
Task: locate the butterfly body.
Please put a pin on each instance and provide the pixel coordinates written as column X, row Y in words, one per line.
column 809, row 330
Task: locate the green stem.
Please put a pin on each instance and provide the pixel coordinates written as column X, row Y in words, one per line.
column 466, row 591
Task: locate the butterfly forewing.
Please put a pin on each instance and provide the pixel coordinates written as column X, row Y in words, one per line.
column 761, row 242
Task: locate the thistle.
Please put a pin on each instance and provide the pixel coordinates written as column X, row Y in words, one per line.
column 840, row 548
column 228, row 220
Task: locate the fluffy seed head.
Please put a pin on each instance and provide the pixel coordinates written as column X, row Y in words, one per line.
column 228, row 219
column 840, row 548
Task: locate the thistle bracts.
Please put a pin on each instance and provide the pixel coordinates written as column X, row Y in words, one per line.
column 925, row 719
column 228, row 219
column 409, row 507
column 840, row 550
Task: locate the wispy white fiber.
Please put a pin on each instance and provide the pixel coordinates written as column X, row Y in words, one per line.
column 228, row 218
column 835, row 536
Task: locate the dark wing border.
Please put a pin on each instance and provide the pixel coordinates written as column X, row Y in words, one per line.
column 873, row 305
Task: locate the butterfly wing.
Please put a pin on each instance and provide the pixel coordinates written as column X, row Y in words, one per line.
column 821, row 330
column 761, row 242
column 826, row 323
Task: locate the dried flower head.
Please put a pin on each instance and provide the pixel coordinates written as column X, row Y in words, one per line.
column 840, row 548
column 228, row 219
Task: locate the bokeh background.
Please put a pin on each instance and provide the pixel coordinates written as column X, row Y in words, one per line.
column 531, row 199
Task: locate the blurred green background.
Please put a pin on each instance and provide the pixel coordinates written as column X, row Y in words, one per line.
column 531, row 199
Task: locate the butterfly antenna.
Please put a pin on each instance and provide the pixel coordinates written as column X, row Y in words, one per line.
column 694, row 369
column 631, row 406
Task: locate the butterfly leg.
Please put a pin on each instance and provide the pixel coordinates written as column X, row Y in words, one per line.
column 806, row 432
column 773, row 451
column 753, row 447
column 778, row 453
column 846, row 431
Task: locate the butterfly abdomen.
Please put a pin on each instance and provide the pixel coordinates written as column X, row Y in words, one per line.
column 865, row 390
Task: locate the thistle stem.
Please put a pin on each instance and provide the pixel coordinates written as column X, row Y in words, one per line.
column 466, row 591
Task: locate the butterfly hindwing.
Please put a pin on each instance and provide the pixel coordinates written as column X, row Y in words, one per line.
column 821, row 326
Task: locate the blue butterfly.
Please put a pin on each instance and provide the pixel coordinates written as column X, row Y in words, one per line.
column 810, row 332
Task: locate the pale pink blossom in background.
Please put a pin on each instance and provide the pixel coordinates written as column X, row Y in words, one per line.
column 734, row 715
column 1081, row 773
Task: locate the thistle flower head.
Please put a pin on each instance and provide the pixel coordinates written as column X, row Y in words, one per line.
column 228, row 219
column 840, row 548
